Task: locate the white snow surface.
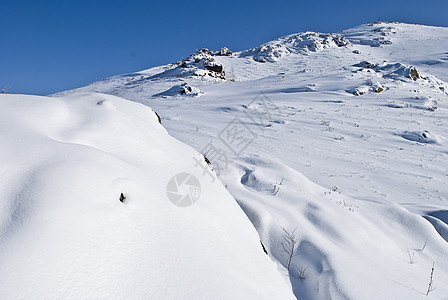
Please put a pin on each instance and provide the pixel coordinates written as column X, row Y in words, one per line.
column 343, row 138
column 64, row 234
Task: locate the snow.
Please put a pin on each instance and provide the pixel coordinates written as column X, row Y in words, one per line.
column 66, row 234
column 295, row 43
column 351, row 249
column 342, row 139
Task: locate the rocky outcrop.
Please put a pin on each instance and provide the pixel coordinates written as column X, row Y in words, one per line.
column 414, row 74
column 393, row 72
column 183, row 89
column 225, row 52
column 296, row 43
column 202, row 63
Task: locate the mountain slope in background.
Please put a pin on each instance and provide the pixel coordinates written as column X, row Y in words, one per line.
column 341, row 138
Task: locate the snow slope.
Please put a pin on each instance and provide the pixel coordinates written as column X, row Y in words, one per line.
column 343, row 136
column 65, row 233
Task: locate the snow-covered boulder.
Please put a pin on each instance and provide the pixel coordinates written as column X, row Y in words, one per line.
column 85, row 211
column 183, row 89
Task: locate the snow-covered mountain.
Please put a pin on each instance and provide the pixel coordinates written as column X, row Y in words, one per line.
column 85, row 212
column 339, row 140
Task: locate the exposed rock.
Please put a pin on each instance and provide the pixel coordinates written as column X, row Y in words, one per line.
column 215, row 67
column 202, row 63
column 421, row 137
column 183, row 89
column 225, row 52
column 158, row 117
column 204, row 51
column 379, row 89
column 368, row 87
column 122, row 198
column 397, row 71
column 413, row 73
column 365, row 64
column 296, row 43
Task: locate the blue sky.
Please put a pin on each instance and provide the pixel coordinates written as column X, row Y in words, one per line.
column 50, row 46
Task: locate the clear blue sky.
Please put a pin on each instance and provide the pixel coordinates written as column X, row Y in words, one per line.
column 50, row 46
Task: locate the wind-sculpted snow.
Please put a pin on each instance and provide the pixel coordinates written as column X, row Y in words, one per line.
column 424, row 137
column 334, row 233
column 373, row 34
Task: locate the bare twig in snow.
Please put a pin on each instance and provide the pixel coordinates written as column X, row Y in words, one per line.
column 302, row 273
column 411, row 257
column 289, row 246
column 430, row 287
